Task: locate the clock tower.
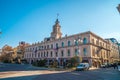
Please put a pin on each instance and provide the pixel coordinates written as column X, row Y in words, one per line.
column 56, row 33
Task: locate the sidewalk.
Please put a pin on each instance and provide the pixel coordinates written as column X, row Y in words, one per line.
column 93, row 68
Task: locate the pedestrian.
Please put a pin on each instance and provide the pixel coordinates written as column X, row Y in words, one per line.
column 114, row 65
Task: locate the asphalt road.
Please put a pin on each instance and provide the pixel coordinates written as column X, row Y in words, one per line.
column 27, row 72
column 100, row 74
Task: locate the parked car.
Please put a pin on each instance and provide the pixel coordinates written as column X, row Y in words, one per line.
column 104, row 65
column 83, row 66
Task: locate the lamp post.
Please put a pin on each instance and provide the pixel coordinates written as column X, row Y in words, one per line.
column 77, row 42
column 118, row 8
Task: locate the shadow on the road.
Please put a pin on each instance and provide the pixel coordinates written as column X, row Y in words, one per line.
column 20, row 78
column 19, row 67
column 56, row 76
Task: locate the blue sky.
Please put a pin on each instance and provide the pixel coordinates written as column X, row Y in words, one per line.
column 32, row 20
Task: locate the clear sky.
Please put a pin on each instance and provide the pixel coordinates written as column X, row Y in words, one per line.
column 32, row 20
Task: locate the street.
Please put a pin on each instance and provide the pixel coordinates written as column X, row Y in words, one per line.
column 28, row 72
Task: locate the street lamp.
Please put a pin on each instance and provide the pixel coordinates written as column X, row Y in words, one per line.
column 118, row 8
column 77, row 42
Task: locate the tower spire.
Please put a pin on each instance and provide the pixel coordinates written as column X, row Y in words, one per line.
column 57, row 15
column 57, row 21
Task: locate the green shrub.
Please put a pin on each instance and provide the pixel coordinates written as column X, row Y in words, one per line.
column 40, row 63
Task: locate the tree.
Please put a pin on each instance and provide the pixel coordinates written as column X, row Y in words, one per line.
column 8, row 54
column 74, row 61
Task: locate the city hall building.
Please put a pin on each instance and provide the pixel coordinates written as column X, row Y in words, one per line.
column 88, row 46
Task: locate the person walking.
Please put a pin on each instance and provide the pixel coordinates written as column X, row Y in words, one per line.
column 114, row 65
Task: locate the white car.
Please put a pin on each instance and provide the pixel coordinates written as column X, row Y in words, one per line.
column 83, row 66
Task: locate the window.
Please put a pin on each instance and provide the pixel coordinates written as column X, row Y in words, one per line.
column 69, row 43
column 36, row 48
column 97, row 42
column 68, row 52
column 44, row 54
column 51, row 54
column 38, row 55
column 47, row 54
column 39, row 47
column 47, row 46
column 56, row 45
column 62, row 44
column 32, row 55
column 93, row 41
column 41, row 54
column 85, row 51
column 62, row 53
column 56, row 54
column 76, row 42
column 84, row 40
column 76, row 52
column 35, row 55
column 51, row 46
column 93, row 52
column 44, row 47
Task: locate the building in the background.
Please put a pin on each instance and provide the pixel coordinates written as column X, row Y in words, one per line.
column 20, row 50
column 8, row 54
column 88, row 46
column 114, row 50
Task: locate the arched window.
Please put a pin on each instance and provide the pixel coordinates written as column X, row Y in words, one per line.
column 51, row 54
column 47, row 53
column 41, row 54
column 93, row 52
column 76, row 52
column 68, row 52
column 56, row 54
column 38, row 55
column 69, row 43
column 62, row 53
column 85, row 51
column 62, row 44
column 56, row 45
column 44, row 54
column 76, row 42
column 84, row 40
